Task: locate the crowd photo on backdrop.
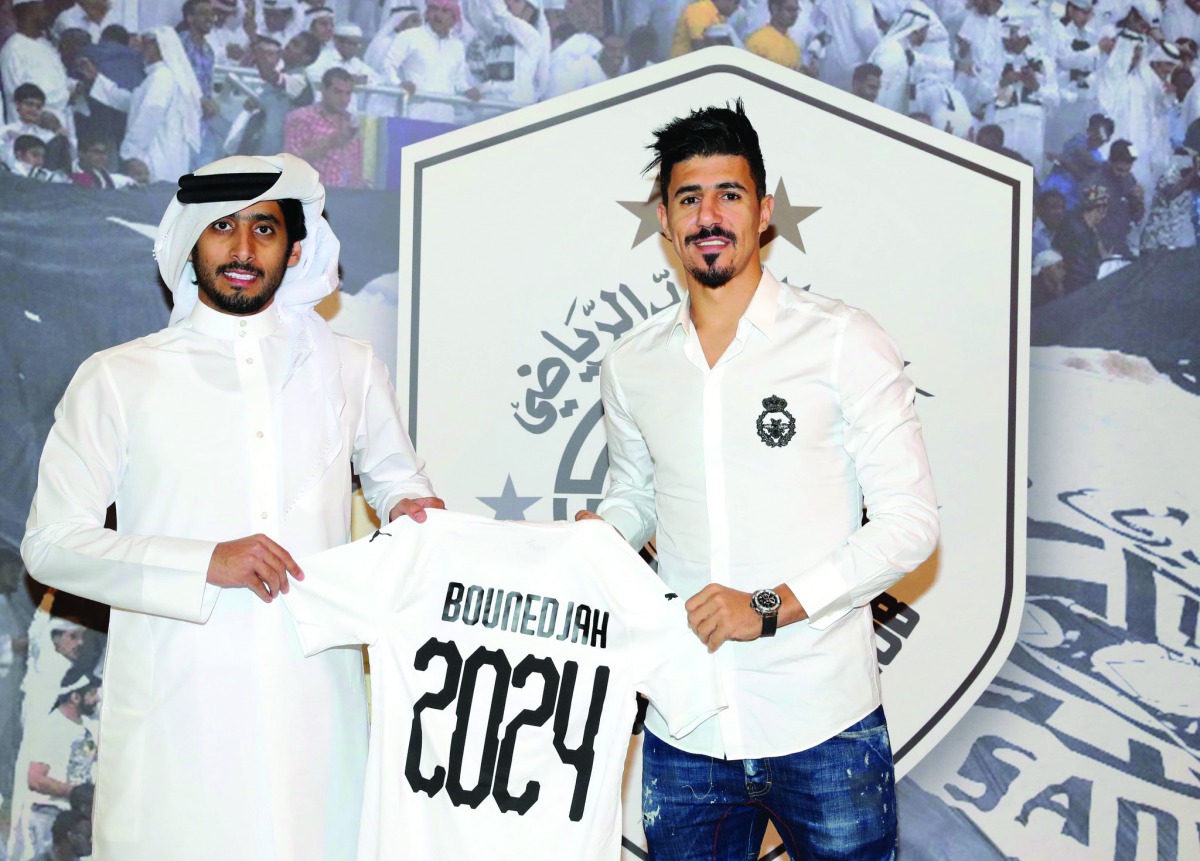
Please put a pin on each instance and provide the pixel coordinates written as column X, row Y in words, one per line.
column 133, row 581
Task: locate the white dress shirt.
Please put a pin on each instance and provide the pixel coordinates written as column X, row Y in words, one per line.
column 220, row 739
column 688, row 460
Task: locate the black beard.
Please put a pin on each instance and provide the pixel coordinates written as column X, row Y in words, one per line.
column 710, row 277
column 238, row 303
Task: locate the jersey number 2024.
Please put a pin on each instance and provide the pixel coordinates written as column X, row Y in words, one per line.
column 558, row 691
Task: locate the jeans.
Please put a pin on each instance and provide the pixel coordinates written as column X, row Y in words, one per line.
column 834, row 801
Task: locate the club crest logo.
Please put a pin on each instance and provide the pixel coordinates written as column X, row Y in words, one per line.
column 776, row 426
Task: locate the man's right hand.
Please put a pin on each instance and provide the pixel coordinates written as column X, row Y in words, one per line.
column 587, row 515
column 256, row 563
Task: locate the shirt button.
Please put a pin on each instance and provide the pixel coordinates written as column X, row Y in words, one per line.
column 259, row 434
column 242, row 323
column 264, row 515
column 241, row 334
column 249, row 361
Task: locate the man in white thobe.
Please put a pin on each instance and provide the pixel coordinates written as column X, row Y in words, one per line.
column 29, row 58
column 431, row 60
column 246, row 416
column 850, row 35
column 902, row 57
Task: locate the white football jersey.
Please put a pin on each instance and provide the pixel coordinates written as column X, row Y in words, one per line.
column 504, row 661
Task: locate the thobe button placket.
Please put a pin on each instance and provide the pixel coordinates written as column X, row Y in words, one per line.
column 263, row 493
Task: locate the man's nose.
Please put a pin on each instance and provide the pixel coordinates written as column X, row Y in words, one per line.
column 243, row 244
column 708, row 213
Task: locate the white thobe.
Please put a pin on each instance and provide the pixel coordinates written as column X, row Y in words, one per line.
column 156, row 133
column 891, row 58
column 573, row 65
column 431, row 64
column 1137, row 102
column 34, row 61
column 220, row 740
column 1076, row 80
column 531, row 51
column 12, row 131
column 74, row 18
column 853, row 35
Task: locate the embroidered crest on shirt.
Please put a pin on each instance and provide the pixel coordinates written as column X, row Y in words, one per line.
column 776, row 426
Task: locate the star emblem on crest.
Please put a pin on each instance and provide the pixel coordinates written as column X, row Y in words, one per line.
column 785, row 221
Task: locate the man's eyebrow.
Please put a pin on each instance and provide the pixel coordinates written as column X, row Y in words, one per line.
column 253, row 216
column 690, row 189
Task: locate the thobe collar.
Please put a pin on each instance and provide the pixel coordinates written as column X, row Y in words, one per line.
column 217, row 324
column 760, row 313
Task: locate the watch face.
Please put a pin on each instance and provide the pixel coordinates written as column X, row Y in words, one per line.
column 764, row 601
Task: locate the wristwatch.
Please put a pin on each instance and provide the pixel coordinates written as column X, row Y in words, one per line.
column 765, row 602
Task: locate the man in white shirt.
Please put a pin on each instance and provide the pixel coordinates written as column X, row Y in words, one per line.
column 57, row 754
column 247, row 416
column 746, row 429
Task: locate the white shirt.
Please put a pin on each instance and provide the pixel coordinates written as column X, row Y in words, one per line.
column 74, row 18
column 221, row 740
column 532, row 626
column 689, row 458
column 68, row 749
column 35, row 61
column 12, row 131
column 433, row 65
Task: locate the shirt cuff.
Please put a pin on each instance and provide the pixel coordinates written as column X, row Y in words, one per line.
column 175, row 583
column 629, row 525
column 822, row 594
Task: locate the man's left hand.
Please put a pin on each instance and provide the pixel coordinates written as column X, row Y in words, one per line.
column 415, row 508
column 717, row 613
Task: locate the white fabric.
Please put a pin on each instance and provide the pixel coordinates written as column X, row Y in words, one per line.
column 492, row 19
column 190, row 95
column 35, row 61
column 1180, row 22
column 1134, row 97
column 159, row 119
column 687, row 463
column 853, row 35
column 12, row 131
column 433, row 65
column 574, row 65
column 396, row 592
column 1078, row 95
column 381, row 42
column 74, row 18
column 220, row 739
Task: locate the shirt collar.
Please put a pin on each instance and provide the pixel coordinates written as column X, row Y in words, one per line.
column 217, row 324
column 760, row 313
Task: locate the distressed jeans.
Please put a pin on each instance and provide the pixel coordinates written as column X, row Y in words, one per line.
column 834, row 801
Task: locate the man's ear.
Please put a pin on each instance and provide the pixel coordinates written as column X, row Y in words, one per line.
column 662, row 220
column 294, row 254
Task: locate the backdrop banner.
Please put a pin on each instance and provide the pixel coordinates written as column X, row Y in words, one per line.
column 529, row 244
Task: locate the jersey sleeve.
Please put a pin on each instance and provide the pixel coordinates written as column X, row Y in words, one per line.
column 681, row 679
column 677, row 673
column 346, row 593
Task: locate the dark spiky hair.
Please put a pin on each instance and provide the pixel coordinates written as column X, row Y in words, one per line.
column 707, row 132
